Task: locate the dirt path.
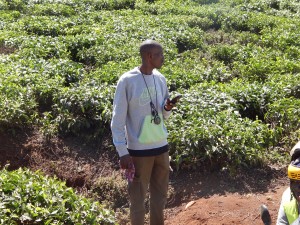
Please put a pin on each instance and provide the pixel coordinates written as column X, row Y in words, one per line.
column 227, row 209
column 218, row 198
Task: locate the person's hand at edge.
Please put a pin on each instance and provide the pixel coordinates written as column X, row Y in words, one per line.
column 126, row 162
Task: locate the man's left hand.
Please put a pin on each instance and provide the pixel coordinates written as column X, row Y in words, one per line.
column 169, row 105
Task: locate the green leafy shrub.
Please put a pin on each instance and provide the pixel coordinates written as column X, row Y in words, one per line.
column 35, row 47
column 189, row 39
column 9, row 15
column 18, row 5
column 252, row 99
column 248, row 21
column 237, row 61
column 208, row 127
column 284, row 86
column 45, row 25
column 255, row 63
column 202, row 23
column 277, row 7
column 283, row 36
column 55, row 9
column 225, row 53
column 285, row 113
column 111, row 71
column 76, row 44
column 183, row 72
column 18, row 107
column 83, row 110
column 112, row 190
column 111, row 4
column 31, row 198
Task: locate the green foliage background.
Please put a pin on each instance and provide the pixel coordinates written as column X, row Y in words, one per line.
column 32, row 198
column 235, row 61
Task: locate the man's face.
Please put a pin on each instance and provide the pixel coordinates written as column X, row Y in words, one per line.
column 157, row 57
column 295, row 188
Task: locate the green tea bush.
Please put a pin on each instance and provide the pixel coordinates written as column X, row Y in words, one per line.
column 206, row 1
column 111, row 71
column 285, row 114
column 258, row 21
column 35, row 47
column 248, row 21
column 111, row 4
column 3, row 5
column 183, row 72
column 189, row 39
column 252, row 99
column 236, row 62
column 292, row 6
column 199, row 22
column 18, row 5
column 102, row 54
column 17, row 102
column 226, row 53
column 9, row 15
column 45, row 25
column 255, row 63
column 55, row 9
column 31, row 198
column 260, row 6
column 77, row 44
column 275, row 7
column 18, row 107
column 208, row 127
column 112, row 190
column 245, row 38
column 83, row 110
column 7, row 38
column 284, row 86
column 283, row 36
column 69, row 71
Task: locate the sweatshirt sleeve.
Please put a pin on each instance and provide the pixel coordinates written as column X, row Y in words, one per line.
column 166, row 114
column 120, row 106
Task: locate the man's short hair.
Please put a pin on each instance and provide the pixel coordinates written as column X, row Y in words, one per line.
column 147, row 45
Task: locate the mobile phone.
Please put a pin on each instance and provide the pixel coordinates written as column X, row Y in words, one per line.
column 175, row 99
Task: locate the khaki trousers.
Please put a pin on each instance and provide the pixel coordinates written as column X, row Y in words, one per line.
column 152, row 172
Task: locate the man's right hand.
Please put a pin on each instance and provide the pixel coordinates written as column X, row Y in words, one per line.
column 126, row 162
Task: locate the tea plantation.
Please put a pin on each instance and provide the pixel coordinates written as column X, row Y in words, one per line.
column 236, row 62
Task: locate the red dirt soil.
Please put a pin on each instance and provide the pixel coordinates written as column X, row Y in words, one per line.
column 219, row 197
column 232, row 208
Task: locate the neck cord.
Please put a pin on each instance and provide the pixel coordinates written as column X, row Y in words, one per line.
column 153, row 108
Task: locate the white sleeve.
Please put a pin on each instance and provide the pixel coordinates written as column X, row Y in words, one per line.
column 166, row 114
column 119, row 115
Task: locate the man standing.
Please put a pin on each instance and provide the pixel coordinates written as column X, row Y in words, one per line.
column 141, row 104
